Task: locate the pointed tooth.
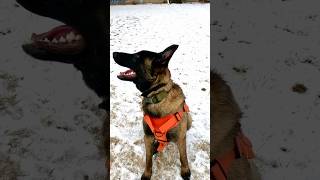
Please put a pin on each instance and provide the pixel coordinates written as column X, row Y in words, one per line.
column 70, row 36
column 55, row 40
column 62, row 39
column 78, row 37
column 46, row 40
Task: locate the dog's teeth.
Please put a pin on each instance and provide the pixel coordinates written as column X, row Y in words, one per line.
column 55, row 40
column 78, row 37
column 70, row 36
column 46, row 40
column 62, row 39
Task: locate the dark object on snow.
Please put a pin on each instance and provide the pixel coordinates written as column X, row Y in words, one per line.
column 299, row 88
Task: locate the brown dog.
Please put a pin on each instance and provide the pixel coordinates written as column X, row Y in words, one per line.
column 163, row 101
column 231, row 150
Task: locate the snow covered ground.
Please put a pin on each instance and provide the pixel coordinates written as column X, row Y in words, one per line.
column 155, row 27
column 263, row 48
column 49, row 120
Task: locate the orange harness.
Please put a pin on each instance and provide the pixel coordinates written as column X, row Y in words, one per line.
column 222, row 164
column 161, row 125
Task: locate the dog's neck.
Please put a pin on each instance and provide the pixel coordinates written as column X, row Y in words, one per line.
column 157, row 93
column 157, row 88
column 169, row 104
column 147, row 92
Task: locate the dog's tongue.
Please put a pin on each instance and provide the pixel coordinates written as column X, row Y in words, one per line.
column 128, row 74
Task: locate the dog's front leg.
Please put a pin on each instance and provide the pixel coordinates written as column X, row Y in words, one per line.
column 185, row 171
column 148, row 141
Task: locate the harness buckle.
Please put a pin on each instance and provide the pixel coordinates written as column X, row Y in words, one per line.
column 158, row 134
column 178, row 116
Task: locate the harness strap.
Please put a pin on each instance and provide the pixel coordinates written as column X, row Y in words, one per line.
column 222, row 164
column 174, row 121
column 170, row 121
column 160, row 135
column 147, row 119
column 244, row 146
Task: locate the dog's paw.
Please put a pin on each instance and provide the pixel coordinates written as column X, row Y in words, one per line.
column 144, row 177
column 186, row 174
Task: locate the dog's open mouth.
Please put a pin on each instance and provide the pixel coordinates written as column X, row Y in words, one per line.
column 128, row 75
column 60, row 40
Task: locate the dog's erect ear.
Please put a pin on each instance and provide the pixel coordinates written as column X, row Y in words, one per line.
column 167, row 54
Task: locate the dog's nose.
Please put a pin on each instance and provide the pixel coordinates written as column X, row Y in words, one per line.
column 115, row 55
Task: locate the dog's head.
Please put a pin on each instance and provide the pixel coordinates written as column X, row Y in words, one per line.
column 83, row 31
column 146, row 68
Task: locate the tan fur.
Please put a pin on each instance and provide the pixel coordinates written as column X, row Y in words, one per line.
column 225, row 125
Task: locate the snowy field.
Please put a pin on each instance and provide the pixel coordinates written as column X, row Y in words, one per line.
column 263, row 48
column 49, row 119
column 155, row 27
